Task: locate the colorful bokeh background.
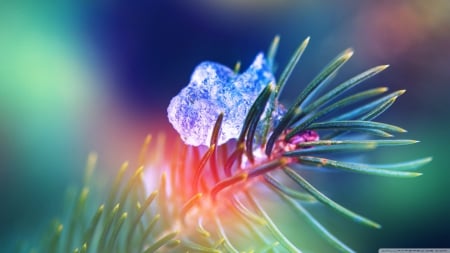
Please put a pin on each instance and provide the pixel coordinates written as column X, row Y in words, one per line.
column 81, row 76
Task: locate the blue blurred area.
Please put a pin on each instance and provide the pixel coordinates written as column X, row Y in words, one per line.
column 79, row 76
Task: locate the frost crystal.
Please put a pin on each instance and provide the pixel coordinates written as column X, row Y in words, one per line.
column 213, row 89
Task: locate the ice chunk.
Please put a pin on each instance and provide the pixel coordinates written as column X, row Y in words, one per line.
column 215, row 88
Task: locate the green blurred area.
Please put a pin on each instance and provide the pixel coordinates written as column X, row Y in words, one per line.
column 44, row 97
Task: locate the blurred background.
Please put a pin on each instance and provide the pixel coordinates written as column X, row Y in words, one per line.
column 81, row 76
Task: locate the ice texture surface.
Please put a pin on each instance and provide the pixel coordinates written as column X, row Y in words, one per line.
column 212, row 89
